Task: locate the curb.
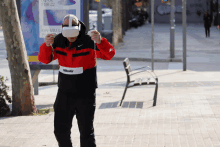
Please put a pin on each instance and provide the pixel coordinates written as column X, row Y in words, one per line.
column 146, row 59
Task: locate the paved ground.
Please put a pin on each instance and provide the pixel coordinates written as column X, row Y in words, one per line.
column 187, row 112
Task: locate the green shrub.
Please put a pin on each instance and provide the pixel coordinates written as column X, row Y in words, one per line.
column 4, row 108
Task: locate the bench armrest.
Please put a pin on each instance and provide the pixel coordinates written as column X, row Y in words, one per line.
column 140, row 68
column 145, row 70
column 133, row 73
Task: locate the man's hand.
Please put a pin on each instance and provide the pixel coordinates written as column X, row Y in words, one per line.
column 218, row 27
column 95, row 36
column 49, row 39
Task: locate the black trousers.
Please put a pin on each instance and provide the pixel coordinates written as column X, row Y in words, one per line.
column 207, row 31
column 65, row 107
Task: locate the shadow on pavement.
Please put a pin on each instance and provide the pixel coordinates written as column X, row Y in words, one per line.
column 125, row 104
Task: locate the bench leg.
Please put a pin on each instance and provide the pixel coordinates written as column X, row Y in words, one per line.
column 124, row 94
column 155, row 95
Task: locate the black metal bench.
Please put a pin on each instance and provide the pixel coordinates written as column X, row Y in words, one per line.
column 139, row 81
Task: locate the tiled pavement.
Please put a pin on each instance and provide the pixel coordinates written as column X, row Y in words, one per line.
column 183, row 117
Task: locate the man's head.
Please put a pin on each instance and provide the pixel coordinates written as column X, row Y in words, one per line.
column 67, row 28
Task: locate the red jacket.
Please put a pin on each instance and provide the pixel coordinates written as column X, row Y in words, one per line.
column 79, row 54
column 104, row 51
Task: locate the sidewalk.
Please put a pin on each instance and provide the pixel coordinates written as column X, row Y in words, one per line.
column 187, row 111
column 137, row 43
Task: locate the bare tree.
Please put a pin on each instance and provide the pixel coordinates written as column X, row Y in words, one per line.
column 120, row 17
column 22, row 89
column 115, row 22
column 108, row 3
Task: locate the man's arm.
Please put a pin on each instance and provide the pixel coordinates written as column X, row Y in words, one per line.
column 106, row 50
column 46, row 55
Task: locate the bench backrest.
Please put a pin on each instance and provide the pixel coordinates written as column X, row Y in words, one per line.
column 127, row 68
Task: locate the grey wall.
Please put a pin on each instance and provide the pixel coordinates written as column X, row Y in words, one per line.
column 162, row 11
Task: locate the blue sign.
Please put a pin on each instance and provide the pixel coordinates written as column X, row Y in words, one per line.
column 42, row 17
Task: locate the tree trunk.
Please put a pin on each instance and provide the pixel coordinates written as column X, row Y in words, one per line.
column 109, row 3
column 22, row 88
column 115, row 23
column 120, row 36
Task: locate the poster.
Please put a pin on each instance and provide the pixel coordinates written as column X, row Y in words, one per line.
column 42, row 17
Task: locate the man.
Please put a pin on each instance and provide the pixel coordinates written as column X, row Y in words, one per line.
column 207, row 23
column 77, row 79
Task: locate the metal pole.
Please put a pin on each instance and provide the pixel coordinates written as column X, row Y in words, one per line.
column 124, row 17
column 172, row 28
column 53, row 76
column 207, row 4
column 36, row 84
column 184, row 34
column 217, row 12
column 99, row 17
column 152, row 33
column 86, row 14
column 127, row 15
column 211, row 12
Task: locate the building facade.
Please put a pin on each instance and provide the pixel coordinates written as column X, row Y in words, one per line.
column 195, row 10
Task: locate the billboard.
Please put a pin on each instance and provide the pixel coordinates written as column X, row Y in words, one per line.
column 41, row 17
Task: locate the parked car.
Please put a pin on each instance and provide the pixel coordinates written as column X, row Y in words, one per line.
column 107, row 11
column 93, row 22
column 93, row 17
column 92, row 12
